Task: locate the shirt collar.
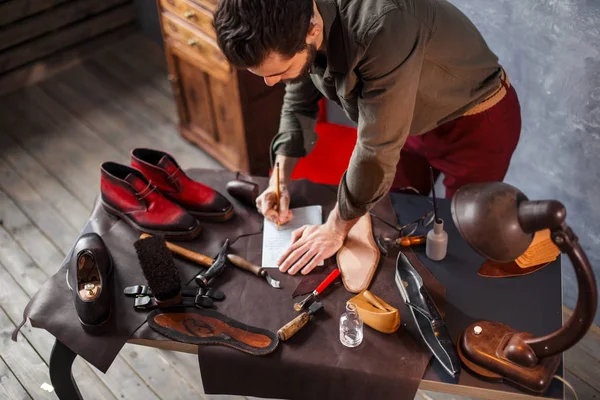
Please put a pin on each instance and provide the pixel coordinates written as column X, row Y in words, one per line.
column 334, row 45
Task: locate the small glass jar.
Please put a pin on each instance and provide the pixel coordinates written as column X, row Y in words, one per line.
column 351, row 326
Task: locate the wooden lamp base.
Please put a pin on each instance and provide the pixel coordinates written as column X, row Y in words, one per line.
column 497, row 352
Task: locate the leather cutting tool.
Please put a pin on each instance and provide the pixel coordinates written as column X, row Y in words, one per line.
column 218, row 265
column 330, row 278
column 428, row 318
column 291, row 328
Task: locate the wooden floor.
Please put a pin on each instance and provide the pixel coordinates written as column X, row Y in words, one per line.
column 53, row 138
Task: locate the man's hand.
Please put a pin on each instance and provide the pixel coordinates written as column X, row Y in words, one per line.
column 266, row 204
column 312, row 244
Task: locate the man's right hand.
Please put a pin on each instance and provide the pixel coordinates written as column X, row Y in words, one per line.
column 266, row 204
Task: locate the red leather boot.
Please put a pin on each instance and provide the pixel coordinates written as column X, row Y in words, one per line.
column 127, row 194
column 163, row 171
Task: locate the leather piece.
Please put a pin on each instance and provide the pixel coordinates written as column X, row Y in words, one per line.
column 245, row 191
column 208, row 327
column 52, row 308
column 433, row 286
column 310, row 282
column 493, row 269
column 394, row 363
column 387, row 321
column 359, row 256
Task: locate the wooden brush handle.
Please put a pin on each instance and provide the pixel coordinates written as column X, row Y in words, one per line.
column 244, row 264
column 292, row 327
column 374, row 302
column 185, row 253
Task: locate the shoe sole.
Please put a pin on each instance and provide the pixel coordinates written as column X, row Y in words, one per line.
column 214, row 216
column 167, row 234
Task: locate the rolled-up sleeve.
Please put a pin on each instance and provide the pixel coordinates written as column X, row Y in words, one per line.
column 296, row 136
column 389, row 74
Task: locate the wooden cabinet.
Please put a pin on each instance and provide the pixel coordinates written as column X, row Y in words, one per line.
column 229, row 113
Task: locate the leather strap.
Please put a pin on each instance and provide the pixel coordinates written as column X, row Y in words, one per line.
column 493, row 98
column 201, row 326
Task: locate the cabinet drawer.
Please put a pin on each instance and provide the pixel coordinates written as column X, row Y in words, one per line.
column 195, row 45
column 197, row 16
column 210, row 4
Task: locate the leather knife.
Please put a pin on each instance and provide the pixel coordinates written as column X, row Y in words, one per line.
column 426, row 315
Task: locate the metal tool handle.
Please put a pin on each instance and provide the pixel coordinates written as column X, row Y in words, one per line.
column 292, row 327
column 189, row 255
column 244, row 264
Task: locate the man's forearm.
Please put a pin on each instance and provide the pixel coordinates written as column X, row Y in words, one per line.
column 337, row 224
column 286, row 167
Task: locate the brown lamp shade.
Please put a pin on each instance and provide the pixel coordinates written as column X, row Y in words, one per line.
column 487, row 217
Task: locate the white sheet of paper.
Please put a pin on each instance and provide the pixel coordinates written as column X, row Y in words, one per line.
column 276, row 242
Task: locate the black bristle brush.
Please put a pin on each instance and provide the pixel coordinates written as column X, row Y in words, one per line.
column 159, row 269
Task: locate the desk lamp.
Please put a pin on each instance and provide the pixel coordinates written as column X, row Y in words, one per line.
column 499, row 222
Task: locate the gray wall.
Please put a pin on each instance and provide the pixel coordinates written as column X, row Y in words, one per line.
column 551, row 51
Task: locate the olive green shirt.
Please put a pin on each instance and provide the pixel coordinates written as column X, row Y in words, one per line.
column 397, row 68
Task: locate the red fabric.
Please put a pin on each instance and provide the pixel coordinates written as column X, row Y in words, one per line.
column 328, row 160
column 476, row 148
column 471, row 149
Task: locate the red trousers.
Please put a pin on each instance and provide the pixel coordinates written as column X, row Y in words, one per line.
column 468, row 149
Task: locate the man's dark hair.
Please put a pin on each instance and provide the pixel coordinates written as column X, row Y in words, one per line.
column 249, row 30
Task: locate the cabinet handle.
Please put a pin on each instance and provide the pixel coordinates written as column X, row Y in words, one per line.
column 189, row 14
column 193, row 42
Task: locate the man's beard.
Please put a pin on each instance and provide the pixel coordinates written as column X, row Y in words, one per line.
column 305, row 71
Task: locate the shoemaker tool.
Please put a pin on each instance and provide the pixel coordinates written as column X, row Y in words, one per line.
column 164, row 284
column 427, row 317
column 292, row 327
column 406, row 241
column 218, row 265
column 330, row 278
column 206, row 261
column 242, row 263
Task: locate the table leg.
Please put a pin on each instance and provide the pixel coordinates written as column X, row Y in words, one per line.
column 61, row 361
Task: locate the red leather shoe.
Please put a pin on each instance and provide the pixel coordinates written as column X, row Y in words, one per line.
column 163, row 171
column 127, row 194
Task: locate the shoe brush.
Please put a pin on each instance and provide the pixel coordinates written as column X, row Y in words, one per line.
column 160, row 270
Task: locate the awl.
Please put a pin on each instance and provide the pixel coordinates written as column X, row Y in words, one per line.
column 255, row 269
column 330, row 278
column 292, row 327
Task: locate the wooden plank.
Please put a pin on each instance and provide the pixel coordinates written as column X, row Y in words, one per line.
column 167, row 383
column 46, row 217
column 146, row 57
column 60, row 61
column 66, row 37
column 114, row 69
column 583, row 389
column 187, row 365
column 58, row 17
column 120, row 381
column 28, row 168
column 27, row 366
column 53, row 149
column 10, row 387
column 14, row 10
column 110, row 115
column 33, row 241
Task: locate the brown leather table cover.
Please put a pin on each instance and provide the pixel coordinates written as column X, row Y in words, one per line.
column 313, row 364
